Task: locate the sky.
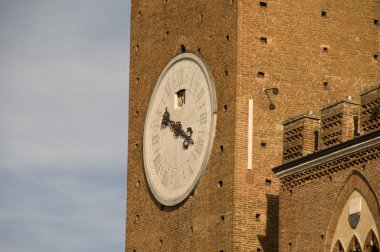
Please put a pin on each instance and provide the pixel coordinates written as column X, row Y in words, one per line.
column 63, row 124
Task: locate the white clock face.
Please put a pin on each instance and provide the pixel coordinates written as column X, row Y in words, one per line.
column 179, row 129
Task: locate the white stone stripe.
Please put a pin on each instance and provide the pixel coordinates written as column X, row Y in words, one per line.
column 250, row 129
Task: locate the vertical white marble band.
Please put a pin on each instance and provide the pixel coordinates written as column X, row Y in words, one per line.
column 250, row 129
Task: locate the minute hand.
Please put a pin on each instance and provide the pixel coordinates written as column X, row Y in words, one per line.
column 176, row 128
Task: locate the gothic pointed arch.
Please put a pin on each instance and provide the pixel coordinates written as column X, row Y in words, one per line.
column 355, row 181
column 371, row 243
column 354, row 245
column 338, row 247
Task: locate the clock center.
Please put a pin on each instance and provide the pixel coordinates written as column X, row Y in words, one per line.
column 178, row 125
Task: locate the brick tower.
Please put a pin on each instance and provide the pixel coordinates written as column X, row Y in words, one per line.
column 269, row 60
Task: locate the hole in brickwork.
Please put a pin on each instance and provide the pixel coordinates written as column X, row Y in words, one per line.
column 291, row 191
column 356, row 125
column 376, row 22
column 221, row 148
column 137, row 47
column 183, row 48
column 192, row 229
column 316, row 138
column 268, row 182
column 258, row 249
column 167, row 34
column 222, row 217
column 261, row 74
column 138, row 183
column 322, row 237
column 263, row 144
column 133, row 250
column 263, row 4
column 137, row 80
column 161, row 242
column 263, row 40
column 375, row 57
column 220, row 183
column 325, row 49
column 200, row 17
column 192, row 193
column 221, row 251
column 165, row 1
column 226, row 72
column 228, row 38
column 330, row 178
column 258, row 216
column 162, row 208
column 225, row 108
column 199, row 50
column 136, row 146
column 325, row 84
column 136, row 112
column 364, row 167
column 323, row 13
column 137, row 216
column 290, row 246
column 139, row 14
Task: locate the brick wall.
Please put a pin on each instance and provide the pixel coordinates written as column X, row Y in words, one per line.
column 314, row 52
column 312, row 195
column 159, row 28
column 249, row 46
column 311, row 204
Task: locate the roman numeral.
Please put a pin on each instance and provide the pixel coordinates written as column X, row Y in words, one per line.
column 180, row 78
column 157, row 163
column 201, row 93
column 191, row 170
column 155, row 139
column 164, row 179
column 192, row 80
column 174, row 180
column 203, row 118
column 199, row 146
column 167, row 89
column 183, row 174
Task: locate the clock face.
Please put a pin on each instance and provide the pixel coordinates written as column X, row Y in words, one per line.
column 179, row 129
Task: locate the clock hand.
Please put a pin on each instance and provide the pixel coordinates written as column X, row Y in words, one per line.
column 176, row 127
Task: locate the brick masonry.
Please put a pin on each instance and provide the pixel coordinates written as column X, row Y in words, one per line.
column 249, row 46
column 312, row 198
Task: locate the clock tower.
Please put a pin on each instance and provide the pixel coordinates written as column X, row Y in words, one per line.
column 210, row 83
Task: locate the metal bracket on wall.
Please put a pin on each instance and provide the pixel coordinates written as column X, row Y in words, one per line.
column 274, row 91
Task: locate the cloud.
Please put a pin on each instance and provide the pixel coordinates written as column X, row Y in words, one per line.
column 63, row 137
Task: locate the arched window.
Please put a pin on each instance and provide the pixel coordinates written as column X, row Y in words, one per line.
column 338, row 247
column 371, row 242
column 354, row 245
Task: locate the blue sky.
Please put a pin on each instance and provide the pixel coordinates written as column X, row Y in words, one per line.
column 64, row 122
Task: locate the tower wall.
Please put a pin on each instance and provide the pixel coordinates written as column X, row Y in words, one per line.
column 159, row 31
column 314, row 52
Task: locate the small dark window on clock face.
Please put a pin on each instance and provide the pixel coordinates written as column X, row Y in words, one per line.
column 181, row 98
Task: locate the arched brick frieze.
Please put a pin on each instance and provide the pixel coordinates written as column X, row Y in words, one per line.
column 355, row 181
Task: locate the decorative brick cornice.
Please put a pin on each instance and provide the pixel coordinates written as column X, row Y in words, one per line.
column 330, row 160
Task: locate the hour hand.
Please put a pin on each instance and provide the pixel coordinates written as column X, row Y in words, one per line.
column 176, row 127
column 165, row 119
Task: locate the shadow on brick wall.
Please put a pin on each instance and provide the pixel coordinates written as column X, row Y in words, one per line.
column 269, row 242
